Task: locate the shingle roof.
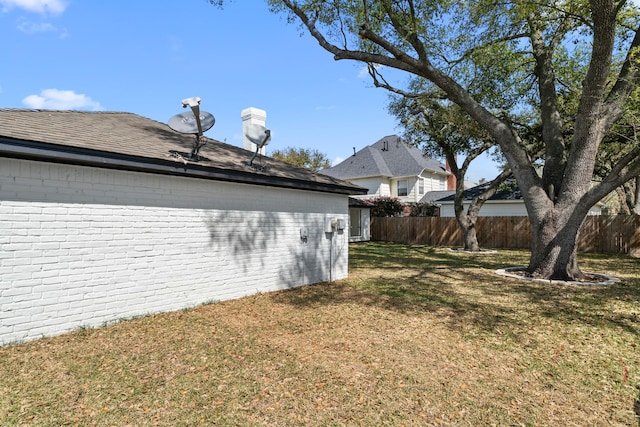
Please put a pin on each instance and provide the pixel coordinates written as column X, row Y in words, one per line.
column 434, row 196
column 509, row 190
column 359, row 203
column 126, row 140
column 388, row 157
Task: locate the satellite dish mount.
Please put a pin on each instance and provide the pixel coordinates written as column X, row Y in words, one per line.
column 196, row 123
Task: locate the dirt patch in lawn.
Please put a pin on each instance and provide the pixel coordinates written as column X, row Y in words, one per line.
column 415, row 336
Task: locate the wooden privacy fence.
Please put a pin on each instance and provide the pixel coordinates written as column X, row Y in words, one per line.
column 606, row 234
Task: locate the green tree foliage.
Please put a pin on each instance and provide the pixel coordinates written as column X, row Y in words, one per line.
column 303, row 157
column 385, row 206
column 616, row 144
column 498, row 62
column 442, row 129
column 423, row 209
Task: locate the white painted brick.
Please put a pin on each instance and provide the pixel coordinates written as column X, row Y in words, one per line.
column 52, row 296
column 115, row 257
column 15, row 262
column 16, row 276
column 44, row 274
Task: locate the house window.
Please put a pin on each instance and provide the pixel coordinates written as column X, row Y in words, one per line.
column 403, row 187
column 355, row 225
column 420, row 186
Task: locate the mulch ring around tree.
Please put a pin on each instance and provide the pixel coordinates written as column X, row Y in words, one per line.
column 590, row 278
column 480, row 252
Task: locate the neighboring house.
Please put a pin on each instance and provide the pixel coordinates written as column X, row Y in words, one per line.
column 506, row 202
column 103, row 217
column 359, row 220
column 390, row 167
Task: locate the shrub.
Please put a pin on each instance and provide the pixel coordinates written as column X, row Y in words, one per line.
column 423, row 209
column 386, row 206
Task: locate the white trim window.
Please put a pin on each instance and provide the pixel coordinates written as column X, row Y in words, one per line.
column 421, row 186
column 402, row 187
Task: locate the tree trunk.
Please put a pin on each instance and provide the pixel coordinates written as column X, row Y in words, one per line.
column 636, row 206
column 554, row 247
column 470, row 238
column 467, row 224
column 623, row 206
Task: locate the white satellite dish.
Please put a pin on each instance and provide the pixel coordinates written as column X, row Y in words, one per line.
column 259, row 135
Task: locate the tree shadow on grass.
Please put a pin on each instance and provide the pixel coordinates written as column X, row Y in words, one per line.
column 406, row 296
column 466, row 292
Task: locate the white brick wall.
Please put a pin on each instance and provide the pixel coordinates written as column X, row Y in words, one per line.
column 82, row 246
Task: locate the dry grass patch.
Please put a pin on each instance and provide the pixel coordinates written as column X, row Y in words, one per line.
column 416, row 336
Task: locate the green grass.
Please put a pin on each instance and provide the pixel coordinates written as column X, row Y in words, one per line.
column 415, row 336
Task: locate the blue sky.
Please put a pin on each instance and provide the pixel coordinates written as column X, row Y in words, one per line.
column 145, row 57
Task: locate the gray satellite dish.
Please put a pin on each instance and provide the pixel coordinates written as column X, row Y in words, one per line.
column 259, row 135
column 187, row 123
column 196, row 122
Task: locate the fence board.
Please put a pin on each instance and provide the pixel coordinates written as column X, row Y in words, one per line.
column 599, row 233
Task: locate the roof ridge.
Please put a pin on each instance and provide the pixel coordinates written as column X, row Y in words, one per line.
column 381, row 163
column 86, row 112
column 43, row 110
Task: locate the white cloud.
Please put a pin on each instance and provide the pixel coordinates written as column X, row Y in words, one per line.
column 55, row 99
column 29, row 27
column 337, row 160
column 53, row 7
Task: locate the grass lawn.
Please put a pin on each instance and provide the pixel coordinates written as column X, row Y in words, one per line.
column 416, row 336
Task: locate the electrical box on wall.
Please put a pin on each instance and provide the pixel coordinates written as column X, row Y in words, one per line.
column 342, row 224
column 330, row 225
column 304, row 234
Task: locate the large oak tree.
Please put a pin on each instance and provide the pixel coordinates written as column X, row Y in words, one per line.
column 510, row 46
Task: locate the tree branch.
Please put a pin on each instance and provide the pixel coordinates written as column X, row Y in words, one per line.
column 624, row 170
column 627, row 81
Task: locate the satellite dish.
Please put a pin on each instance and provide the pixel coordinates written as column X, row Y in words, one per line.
column 187, row 122
column 196, row 122
column 258, row 134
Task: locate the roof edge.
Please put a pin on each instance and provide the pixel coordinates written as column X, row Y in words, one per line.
column 62, row 154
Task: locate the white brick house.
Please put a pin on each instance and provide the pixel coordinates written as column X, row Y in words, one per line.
column 100, row 220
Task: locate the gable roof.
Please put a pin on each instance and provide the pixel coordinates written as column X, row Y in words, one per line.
column 389, row 157
column 509, row 190
column 128, row 141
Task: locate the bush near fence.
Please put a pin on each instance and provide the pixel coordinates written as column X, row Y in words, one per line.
column 605, row 234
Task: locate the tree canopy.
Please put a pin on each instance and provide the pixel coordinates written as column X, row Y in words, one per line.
column 498, row 61
column 311, row 159
column 441, row 129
